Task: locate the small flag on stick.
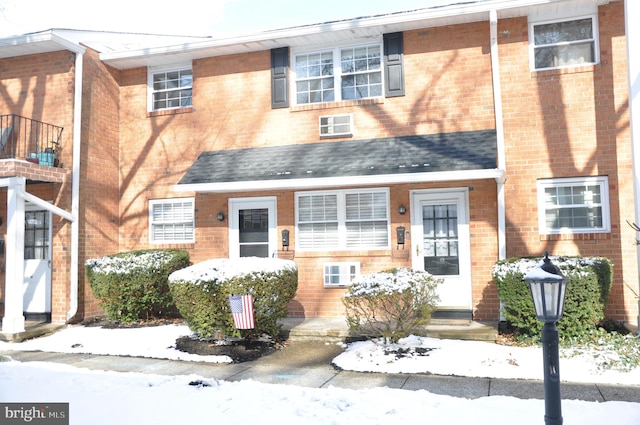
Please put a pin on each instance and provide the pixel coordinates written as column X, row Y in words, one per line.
column 242, row 311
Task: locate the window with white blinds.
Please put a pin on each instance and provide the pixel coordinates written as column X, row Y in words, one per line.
column 171, row 220
column 343, row 220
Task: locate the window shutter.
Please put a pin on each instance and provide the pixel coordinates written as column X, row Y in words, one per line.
column 394, row 69
column 279, row 77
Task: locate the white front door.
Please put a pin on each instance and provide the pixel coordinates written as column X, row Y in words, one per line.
column 440, row 225
column 37, row 261
column 252, row 227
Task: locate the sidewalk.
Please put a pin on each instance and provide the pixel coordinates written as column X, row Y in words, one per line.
column 308, row 364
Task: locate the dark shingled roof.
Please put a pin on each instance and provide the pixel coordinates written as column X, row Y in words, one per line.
column 460, row 151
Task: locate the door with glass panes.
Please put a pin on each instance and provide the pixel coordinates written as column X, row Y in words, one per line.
column 37, row 261
column 440, row 229
column 252, row 227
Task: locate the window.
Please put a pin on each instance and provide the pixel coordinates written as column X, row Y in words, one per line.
column 171, row 220
column 563, row 43
column 338, row 74
column 170, row 88
column 575, row 205
column 343, row 220
column 340, row 274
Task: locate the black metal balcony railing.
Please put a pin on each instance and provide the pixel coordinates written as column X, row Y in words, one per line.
column 24, row 138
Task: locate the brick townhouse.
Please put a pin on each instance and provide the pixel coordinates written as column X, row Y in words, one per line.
column 442, row 139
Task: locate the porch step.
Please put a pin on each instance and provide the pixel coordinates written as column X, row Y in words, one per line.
column 32, row 330
column 335, row 329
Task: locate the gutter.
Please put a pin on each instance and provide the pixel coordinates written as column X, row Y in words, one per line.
column 75, row 183
column 339, row 181
column 632, row 13
column 501, row 154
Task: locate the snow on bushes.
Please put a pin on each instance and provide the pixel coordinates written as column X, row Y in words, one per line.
column 391, row 304
column 590, row 280
column 133, row 285
column 201, row 293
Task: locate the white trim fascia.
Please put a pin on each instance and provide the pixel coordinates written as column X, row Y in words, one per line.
column 41, row 37
column 341, row 181
column 278, row 38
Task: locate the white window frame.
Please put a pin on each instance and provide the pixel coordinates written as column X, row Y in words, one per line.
column 186, row 220
column 151, row 71
column 344, row 273
column 336, row 50
column 594, row 40
column 601, row 181
column 341, row 220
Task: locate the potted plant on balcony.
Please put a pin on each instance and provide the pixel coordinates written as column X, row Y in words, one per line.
column 48, row 157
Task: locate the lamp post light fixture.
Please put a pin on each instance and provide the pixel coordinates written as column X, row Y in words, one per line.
column 548, row 288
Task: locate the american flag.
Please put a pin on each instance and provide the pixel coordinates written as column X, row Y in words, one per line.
column 242, row 311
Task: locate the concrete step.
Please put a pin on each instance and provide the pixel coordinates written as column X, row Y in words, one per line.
column 336, row 329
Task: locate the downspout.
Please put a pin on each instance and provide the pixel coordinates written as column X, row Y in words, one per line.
column 632, row 13
column 75, row 184
column 497, row 101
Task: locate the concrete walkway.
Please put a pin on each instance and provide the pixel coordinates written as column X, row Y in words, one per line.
column 308, row 364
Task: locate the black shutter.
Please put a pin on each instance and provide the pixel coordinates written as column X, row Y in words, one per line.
column 394, row 69
column 280, row 77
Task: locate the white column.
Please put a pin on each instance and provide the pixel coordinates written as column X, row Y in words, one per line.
column 632, row 30
column 13, row 320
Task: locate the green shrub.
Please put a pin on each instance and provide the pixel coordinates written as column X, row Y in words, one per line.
column 202, row 292
column 589, row 285
column 391, row 304
column 134, row 285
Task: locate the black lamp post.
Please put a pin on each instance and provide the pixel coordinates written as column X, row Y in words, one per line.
column 548, row 287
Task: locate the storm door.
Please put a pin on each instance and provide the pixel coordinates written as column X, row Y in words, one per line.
column 252, row 231
column 441, row 244
column 37, row 261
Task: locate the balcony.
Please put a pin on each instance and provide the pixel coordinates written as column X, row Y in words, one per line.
column 27, row 139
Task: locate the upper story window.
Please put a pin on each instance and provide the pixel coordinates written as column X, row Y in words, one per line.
column 343, row 73
column 171, row 220
column 170, row 88
column 574, row 205
column 354, row 219
column 564, row 43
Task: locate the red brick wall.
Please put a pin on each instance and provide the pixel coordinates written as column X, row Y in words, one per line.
column 557, row 124
column 448, row 88
column 41, row 87
column 569, row 123
column 99, row 171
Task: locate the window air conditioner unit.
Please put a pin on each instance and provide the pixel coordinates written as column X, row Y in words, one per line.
column 340, row 274
column 336, row 125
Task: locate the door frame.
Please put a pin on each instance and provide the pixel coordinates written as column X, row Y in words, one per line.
column 235, row 205
column 45, row 290
column 460, row 196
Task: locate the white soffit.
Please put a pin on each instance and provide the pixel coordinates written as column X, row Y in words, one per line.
column 333, row 32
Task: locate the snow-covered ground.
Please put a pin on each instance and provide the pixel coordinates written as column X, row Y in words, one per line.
column 130, row 398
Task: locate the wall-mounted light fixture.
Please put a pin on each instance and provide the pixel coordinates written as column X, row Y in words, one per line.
column 220, row 216
column 402, row 209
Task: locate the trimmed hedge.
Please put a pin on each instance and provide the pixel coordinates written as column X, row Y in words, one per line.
column 202, row 292
column 590, row 281
column 391, row 304
column 134, row 285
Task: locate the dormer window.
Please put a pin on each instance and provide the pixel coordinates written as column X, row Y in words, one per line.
column 170, row 87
